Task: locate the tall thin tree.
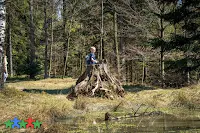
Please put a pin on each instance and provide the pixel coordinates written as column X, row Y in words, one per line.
column 32, row 39
column 2, row 38
column 9, row 43
column 116, row 42
column 52, row 41
column 102, row 32
column 46, row 41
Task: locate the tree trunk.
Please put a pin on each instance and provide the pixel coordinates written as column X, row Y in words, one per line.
column 122, row 50
column 123, row 61
column 188, row 66
column 127, row 71
column 102, row 32
column 131, row 71
column 188, row 49
column 67, row 51
column 64, row 35
column 162, row 67
column 80, row 62
column 144, row 70
column 46, row 41
column 97, row 81
column 32, row 38
column 2, row 38
column 52, row 41
column 67, row 41
column 10, row 47
column 116, row 43
column 187, row 57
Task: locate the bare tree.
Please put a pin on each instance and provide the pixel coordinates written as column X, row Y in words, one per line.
column 46, row 41
column 2, row 38
column 9, row 43
column 116, row 42
column 52, row 40
column 32, row 38
column 64, row 36
column 102, row 31
column 69, row 16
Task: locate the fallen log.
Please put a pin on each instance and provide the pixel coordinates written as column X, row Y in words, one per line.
column 108, row 116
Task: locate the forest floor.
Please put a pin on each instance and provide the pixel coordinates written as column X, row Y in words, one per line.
column 45, row 100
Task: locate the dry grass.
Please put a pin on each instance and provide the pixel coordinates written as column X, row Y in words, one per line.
column 53, row 83
column 48, row 108
column 42, row 107
column 184, row 97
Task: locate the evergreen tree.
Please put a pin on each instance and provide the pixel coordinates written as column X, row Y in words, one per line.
column 160, row 41
column 187, row 15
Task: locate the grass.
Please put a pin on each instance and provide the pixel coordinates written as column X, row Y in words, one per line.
column 42, row 106
column 45, row 84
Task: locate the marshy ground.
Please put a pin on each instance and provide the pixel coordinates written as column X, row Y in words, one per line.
column 45, row 100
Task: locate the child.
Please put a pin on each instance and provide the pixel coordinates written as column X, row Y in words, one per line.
column 90, row 60
column 91, row 57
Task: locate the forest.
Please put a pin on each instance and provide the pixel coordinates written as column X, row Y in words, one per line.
column 147, row 42
column 151, row 51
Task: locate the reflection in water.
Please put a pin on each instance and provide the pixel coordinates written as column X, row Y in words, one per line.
column 153, row 124
column 160, row 124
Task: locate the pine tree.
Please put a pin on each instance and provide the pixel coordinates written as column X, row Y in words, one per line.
column 160, row 41
column 187, row 16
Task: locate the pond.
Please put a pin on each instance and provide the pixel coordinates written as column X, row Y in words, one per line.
column 160, row 124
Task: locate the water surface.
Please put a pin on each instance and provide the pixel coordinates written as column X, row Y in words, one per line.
column 145, row 124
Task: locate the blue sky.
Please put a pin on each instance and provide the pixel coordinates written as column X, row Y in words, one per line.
column 179, row 2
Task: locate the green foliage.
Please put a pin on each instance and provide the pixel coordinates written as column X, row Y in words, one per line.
column 138, row 24
column 186, row 42
column 158, row 42
column 28, row 68
column 34, row 68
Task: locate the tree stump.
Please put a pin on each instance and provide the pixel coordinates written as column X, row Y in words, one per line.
column 97, row 81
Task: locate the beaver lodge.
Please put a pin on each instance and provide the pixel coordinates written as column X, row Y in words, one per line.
column 99, row 83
